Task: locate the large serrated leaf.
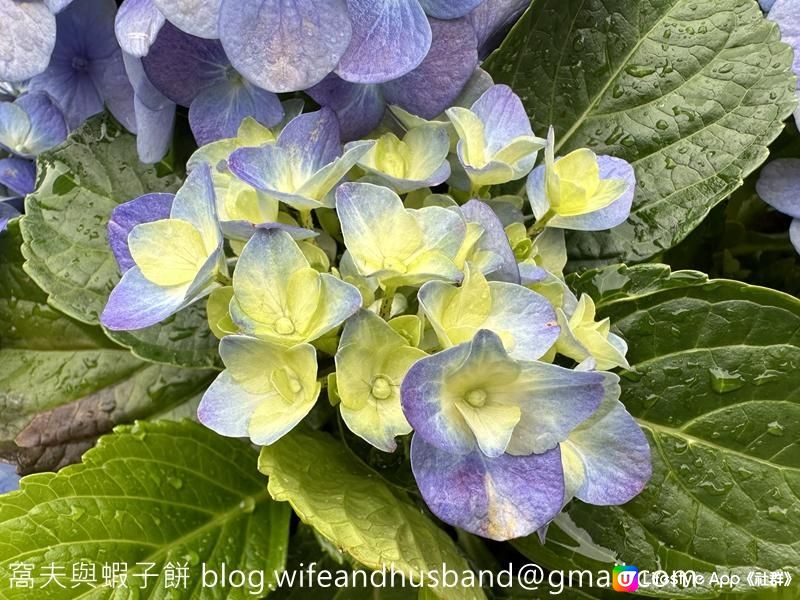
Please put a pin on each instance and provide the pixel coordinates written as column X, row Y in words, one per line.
column 66, row 240
column 154, row 493
column 351, row 506
column 64, row 382
column 715, row 384
column 690, row 92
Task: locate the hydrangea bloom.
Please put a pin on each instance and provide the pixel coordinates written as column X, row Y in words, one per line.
column 496, row 143
column 442, row 317
column 396, row 245
column 265, row 390
column 581, row 190
column 777, row 186
column 31, row 124
column 176, row 260
column 480, row 416
column 371, row 362
column 303, row 165
column 86, row 71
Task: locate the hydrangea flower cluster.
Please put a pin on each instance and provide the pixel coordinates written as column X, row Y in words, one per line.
column 424, row 310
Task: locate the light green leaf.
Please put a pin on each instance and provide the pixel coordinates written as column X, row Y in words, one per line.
column 715, row 384
column 64, row 382
column 157, row 493
column 691, row 93
column 66, row 241
column 347, row 503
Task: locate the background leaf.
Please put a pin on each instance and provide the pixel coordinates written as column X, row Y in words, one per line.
column 64, row 382
column 715, row 385
column 350, row 505
column 66, row 241
column 152, row 493
column 691, row 93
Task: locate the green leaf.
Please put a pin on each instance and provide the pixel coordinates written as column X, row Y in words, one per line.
column 348, row 504
column 66, row 240
column 152, row 493
column 64, row 382
column 715, row 385
column 691, row 93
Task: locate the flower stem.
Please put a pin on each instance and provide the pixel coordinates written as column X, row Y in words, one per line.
column 306, row 220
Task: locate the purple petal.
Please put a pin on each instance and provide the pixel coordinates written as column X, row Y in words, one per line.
column 181, row 66
column 498, row 498
column 794, row 234
column 27, row 38
column 115, row 88
column 390, row 38
column 766, row 4
column 492, row 18
column 137, row 25
column 494, row 240
column 217, row 111
column 260, row 166
column 448, row 9
column 48, row 127
column 18, row 175
column 136, row 303
column 144, row 209
column 7, row 212
column 503, row 116
column 299, row 41
column 226, row 407
column 615, row 456
column 358, row 107
column 312, row 139
column 196, row 17
column 436, row 83
column 155, row 114
column 778, row 185
column 56, row 6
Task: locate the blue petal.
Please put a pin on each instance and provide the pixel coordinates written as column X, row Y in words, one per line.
column 766, row 5
column 18, row 175
column 498, row 498
column 144, row 209
column 261, row 167
column 794, row 234
column 7, row 212
column 181, row 66
column 312, row 139
column 48, row 128
column 358, row 107
column 217, row 111
column 27, row 38
column 9, row 480
column 503, row 116
column 56, row 6
column 155, row 114
column 786, row 13
column 493, row 240
column 137, row 25
column 492, row 18
column 611, row 454
column 778, row 185
column 438, row 80
column 111, row 80
column 227, row 406
column 299, row 41
column 448, row 9
column 136, row 302
column 390, row 38
column 196, row 17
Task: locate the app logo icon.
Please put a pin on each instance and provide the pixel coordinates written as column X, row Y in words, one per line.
column 625, row 578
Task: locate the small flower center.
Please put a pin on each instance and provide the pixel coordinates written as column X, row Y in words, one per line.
column 295, row 385
column 80, row 64
column 476, row 398
column 284, row 326
column 381, row 388
column 394, row 264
